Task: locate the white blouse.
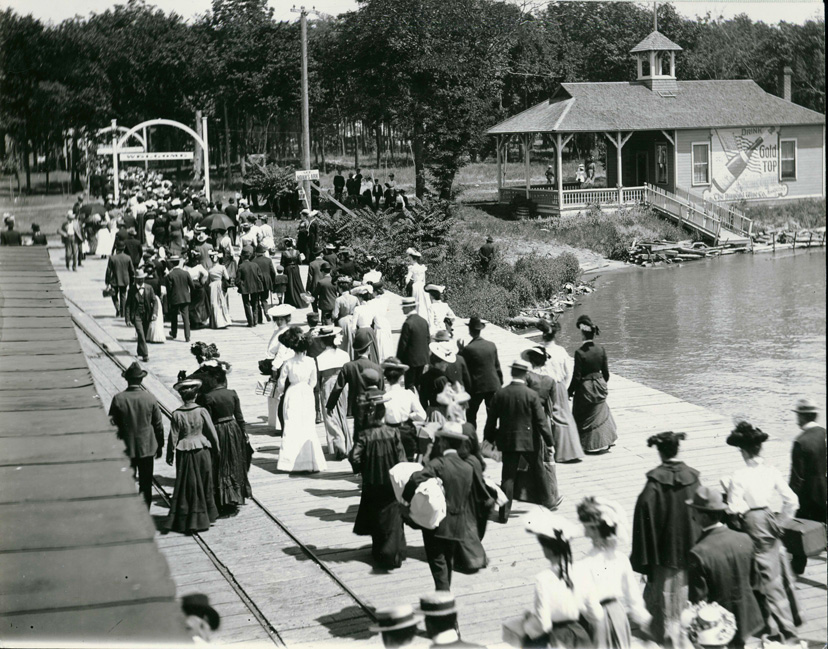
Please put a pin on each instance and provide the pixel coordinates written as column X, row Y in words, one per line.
column 364, row 315
column 759, row 485
column 606, row 573
column 555, row 602
column 440, row 312
column 331, row 358
column 416, row 273
column 559, row 365
column 402, row 406
column 372, row 277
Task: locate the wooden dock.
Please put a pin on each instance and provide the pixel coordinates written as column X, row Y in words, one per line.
column 301, row 603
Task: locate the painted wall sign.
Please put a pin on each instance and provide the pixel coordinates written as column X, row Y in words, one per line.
column 160, row 155
column 745, row 164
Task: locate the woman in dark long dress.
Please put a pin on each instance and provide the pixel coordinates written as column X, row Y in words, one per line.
column 192, row 441
column 295, row 288
column 232, row 484
column 199, row 295
column 588, row 388
column 663, row 534
column 378, row 448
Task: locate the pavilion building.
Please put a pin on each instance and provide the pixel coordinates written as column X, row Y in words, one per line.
column 717, row 142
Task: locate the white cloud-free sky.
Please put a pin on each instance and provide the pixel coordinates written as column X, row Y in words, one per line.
column 57, row 10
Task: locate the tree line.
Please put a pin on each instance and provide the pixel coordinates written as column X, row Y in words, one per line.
column 418, row 78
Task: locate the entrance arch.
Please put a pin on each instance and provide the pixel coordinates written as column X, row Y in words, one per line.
column 124, row 129
column 202, row 142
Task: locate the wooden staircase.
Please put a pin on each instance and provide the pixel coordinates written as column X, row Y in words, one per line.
column 713, row 221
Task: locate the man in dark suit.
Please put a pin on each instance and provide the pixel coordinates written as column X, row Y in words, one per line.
column 346, row 265
column 119, row 273
column 523, row 429
column 412, row 348
column 331, row 257
column 133, row 247
column 179, row 293
column 250, row 284
column 721, row 567
column 232, row 213
column 268, row 273
column 351, row 185
column 325, row 293
column 313, row 271
column 140, row 311
column 808, row 470
column 486, row 252
column 463, row 488
column 339, row 184
column 137, row 416
column 484, row 368
column 353, row 375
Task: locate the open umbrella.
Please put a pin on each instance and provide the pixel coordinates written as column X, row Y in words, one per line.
column 217, row 221
column 92, row 208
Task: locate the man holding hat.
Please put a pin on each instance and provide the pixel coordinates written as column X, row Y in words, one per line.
column 484, row 368
column 119, row 273
column 524, row 430
column 137, row 416
column 721, row 567
column 465, row 493
column 140, row 311
column 808, row 469
column 440, row 611
column 412, row 348
column 11, row 237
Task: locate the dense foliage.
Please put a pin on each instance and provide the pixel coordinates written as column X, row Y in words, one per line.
column 425, row 77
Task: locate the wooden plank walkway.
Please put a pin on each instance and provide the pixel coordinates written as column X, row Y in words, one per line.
column 320, row 509
column 77, row 557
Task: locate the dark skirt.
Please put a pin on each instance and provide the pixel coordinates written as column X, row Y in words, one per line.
column 232, row 484
column 193, row 507
column 199, row 307
column 564, row 635
column 380, row 517
column 373, row 353
column 529, row 487
column 231, row 266
column 294, row 287
column 596, row 427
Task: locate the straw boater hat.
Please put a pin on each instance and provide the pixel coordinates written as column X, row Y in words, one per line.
column 408, row 303
column 435, row 288
column 395, row 618
column 140, row 274
column 134, row 371
column 443, row 352
column 326, row 331
column 394, row 363
column 413, row 252
column 281, row 311
column 806, row 406
column 708, row 624
column 437, row 604
column 520, row 365
column 330, row 246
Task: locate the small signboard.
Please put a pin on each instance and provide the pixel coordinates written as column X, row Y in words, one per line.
column 107, row 150
column 159, row 155
column 301, row 193
column 308, row 174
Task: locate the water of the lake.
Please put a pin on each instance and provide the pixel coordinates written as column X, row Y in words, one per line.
column 742, row 335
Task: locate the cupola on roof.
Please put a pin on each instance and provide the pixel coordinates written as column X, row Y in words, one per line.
column 656, row 42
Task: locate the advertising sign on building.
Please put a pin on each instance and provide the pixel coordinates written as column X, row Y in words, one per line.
column 745, row 164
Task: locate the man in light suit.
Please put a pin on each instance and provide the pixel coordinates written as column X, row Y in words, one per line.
column 808, row 470
column 484, row 368
column 71, row 233
column 140, row 311
column 523, row 429
column 412, row 348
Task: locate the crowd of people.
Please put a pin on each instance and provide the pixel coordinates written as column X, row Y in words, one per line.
column 406, row 418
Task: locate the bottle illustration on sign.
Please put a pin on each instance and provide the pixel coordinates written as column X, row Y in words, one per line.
column 734, row 167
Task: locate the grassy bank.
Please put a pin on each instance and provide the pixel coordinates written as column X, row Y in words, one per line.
column 791, row 215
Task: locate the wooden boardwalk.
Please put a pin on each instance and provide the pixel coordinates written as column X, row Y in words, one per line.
column 320, row 509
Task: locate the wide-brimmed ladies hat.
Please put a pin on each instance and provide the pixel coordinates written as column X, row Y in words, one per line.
column 553, row 526
column 434, row 288
column 585, row 323
column 326, row 331
column 413, row 252
column 708, row 624
column 330, row 246
column 535, row 354
column 395, row 618
column 746, row 435
column 443, row 352
column 280, row 311
column 134, row 371
column 187, row 384
column 394, row 363
column 344, row 280
column 452, row 430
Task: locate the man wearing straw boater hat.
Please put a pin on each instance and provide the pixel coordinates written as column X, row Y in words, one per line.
column 721, row 567
column 412, row 348
column 522, row 433
column 808, row 470
column 140, row 311
column 440, row 612
column 397, row 625
column 137, row 416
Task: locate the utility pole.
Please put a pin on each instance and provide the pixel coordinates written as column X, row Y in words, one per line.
column 655, row 16
column 306, row 152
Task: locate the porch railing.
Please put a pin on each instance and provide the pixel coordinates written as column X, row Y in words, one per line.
column 573, row 196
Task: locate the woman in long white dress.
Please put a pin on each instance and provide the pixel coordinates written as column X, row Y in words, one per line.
column 442, row 316
column 106, row 237
column 219, row 308
column 382, row 325
column 416, row 279
column 276, row 351
column 301, row 450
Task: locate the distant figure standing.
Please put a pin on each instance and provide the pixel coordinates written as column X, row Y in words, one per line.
column 663, row 534
column 580, row 175
column 808, row 469
column 71, row 233
column 352, row 186
column 11, row 237
column 486, row 252
column 415, row 281
column 38, row 238
column 590, row 172
column 721, row 567
column 550, row 175
column 588, row 388
column 137, row 416
column 338, row 184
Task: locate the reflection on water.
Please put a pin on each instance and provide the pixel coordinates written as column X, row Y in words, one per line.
column 741, row 335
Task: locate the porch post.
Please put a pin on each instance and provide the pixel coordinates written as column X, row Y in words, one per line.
column 207, row 158
column 618, row 146
column 116, row 190
column 527, row 143
column 498, row 145
column 559, row 168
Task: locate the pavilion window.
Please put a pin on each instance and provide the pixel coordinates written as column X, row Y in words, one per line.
column 701, row 163
column 787, row 159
